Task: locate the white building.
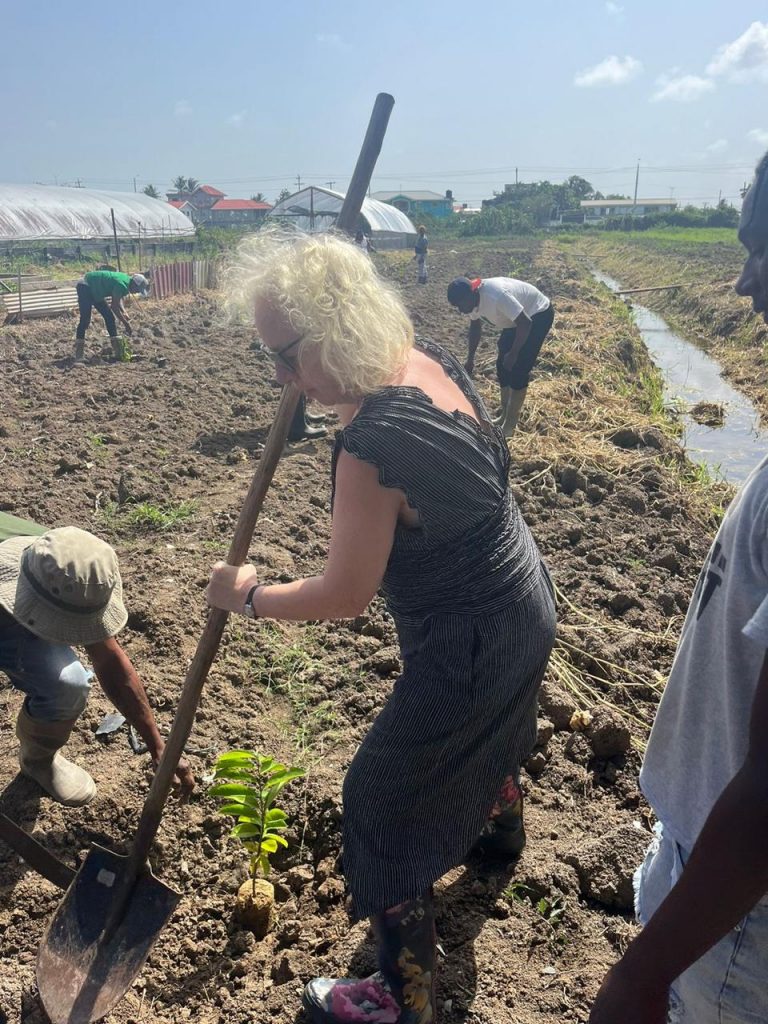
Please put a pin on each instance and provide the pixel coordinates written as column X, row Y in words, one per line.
column 596, row 210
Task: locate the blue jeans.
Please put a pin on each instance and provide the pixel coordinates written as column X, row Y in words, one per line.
column 55, row 682
column 729, row 984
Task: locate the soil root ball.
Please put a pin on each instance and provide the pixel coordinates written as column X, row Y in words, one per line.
column 255, row 906
column 608, row 734
column 605, row 867
column 557, row 706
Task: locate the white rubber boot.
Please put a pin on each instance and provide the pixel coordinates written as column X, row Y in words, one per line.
column 514, row 405
column 39, row 759
column 498, row 420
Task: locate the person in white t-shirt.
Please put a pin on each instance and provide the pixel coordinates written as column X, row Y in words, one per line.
column 523, row 314
column 702, row 891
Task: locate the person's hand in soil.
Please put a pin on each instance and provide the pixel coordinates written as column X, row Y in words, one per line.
column 229, row 586
column 626, row 998
column 183, row 780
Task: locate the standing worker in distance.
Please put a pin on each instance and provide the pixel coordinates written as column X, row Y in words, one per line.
column 420, row 248
column 93, row 290
column 58, row 589
column 524, row 315
column 702, row 891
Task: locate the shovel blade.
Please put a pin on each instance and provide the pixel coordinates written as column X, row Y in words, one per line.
column 81, row 972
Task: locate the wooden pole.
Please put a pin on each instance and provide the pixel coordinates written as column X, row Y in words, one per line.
column 21, row 308
column 140, row 271
column 366, row 162
column 660, row 288
column 114, row 235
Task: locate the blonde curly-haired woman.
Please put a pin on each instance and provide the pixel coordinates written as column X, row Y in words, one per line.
column 422, row 510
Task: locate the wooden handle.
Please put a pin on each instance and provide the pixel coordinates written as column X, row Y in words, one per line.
column 369, row 154
column 211, row 638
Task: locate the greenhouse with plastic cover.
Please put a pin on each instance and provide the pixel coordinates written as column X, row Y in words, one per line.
column 48, row 213
column 316, row 209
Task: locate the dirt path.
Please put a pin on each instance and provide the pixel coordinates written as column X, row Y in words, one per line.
column 603, row 489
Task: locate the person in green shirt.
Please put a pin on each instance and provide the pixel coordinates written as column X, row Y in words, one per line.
column 60, row 589
column 93, row 290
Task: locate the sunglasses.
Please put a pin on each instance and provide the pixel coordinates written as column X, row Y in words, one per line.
column 279, row 356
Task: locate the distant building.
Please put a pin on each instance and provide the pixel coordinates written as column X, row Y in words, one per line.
column 596, row 210
column 208, row 205
column 236, row 212
column 417, row 203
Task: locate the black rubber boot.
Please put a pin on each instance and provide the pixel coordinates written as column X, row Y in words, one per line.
column 299, row 429
column 503, row 837
column 79, row 355
column 402, row 990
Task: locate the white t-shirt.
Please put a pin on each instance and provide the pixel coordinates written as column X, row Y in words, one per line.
column 503, row 299
column 701, row 733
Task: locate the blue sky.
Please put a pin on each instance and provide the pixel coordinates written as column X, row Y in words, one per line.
column 246, row 95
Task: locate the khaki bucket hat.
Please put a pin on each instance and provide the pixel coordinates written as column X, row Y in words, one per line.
column 64, row 586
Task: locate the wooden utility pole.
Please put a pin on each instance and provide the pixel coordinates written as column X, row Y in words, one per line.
column 637, row 179
column 114, row 235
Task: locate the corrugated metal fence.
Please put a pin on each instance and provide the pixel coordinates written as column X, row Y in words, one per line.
column 182, row 277
column 166, row 280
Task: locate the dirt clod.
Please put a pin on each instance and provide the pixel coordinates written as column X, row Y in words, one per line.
column 605, row 866
column 608, row 733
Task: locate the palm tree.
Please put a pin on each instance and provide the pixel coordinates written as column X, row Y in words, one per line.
column 151, row 191
column 180, row 183
column 259, row 198
column 192, row 184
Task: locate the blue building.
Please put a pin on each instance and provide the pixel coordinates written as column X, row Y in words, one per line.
column 415, row 204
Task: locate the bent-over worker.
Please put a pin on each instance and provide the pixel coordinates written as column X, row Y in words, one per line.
column 523, row 314
column 93, row 290
column 62, row 588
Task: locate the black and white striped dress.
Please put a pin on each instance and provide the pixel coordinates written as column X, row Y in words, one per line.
column 474, row 611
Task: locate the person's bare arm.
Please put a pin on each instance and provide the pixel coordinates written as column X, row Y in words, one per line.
column 364, row 520
column 473, row 340
column 726, row 874
column 117, row 308
column 120, row 682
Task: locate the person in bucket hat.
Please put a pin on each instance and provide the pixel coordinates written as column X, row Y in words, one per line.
column 61, row 589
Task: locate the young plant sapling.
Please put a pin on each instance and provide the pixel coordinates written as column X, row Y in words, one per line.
column 249, row 784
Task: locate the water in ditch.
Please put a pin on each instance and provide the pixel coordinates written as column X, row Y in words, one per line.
column 691, row 376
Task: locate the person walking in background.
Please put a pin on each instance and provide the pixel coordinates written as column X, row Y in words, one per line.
column 523, row 314
column 363, row 241
column 420, row 248
column 702, row 891
column 93, row 290
column 421, row 508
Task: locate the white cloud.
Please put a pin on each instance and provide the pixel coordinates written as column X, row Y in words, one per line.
column 332, row 40
column 236, row 119
column 683, row 89
column 758, row 135
column 744, row 58
column 611, row 71
column 613, row 9
column 717, row 146
column 182, row 108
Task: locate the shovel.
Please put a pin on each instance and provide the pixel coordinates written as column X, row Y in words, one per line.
column 115, row 908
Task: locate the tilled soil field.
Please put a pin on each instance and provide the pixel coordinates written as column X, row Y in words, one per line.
column 156, row 456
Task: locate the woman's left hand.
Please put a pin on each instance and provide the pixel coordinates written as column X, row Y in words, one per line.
column 229, row 585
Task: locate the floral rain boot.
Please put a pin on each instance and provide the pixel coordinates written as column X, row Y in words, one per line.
column 402, row 991
column 504, row 835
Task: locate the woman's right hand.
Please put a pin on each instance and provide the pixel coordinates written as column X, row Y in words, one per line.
column 229, row 585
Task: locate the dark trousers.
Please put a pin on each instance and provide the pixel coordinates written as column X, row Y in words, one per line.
column 86, row 305
column 517, row 378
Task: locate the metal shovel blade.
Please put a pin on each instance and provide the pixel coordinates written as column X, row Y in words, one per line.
column 83, row 972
